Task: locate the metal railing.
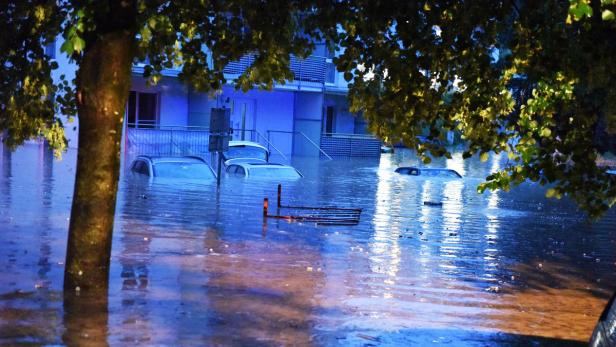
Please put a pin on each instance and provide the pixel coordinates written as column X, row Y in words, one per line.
column 351, row 136
column 351, row 145
column 168, row 141
column 311, row 69
column 314, row 144
column 182, row 140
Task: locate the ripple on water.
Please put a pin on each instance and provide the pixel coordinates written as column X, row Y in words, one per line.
column 195, row 266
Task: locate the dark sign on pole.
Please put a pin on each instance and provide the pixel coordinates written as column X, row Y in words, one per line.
column 220, row 121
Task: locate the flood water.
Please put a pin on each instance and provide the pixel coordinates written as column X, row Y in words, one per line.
column 195, row 267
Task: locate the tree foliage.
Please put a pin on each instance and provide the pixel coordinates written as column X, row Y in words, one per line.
column 452, row 65
column 439, row 65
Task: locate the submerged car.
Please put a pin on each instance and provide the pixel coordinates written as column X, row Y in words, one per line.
column 428, row 172
column 245, row 152
column 173, row 167
column 387, row 149
column 263, row 170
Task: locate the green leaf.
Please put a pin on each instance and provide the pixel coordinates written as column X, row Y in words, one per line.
column 579, row 8
column 546, row 132
column 67, row 47
column 484, row 156
column 78, row 44
column 608, row 15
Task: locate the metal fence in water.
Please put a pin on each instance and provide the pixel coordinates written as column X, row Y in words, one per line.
column 183, row 140
column 168, row 141
column 350, row 145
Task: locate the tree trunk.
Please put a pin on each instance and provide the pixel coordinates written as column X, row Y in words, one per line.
column 103, row 83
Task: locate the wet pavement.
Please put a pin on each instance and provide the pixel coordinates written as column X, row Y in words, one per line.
column 192, row 266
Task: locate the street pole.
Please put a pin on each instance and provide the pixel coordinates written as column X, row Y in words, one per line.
column 219, row 169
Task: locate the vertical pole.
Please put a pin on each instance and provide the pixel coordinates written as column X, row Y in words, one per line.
column 279, row 194
column 264, row 225
column 244, row 122
column 218, row 169
column 265, row 206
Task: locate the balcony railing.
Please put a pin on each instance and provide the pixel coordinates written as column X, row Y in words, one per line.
column 311, row 69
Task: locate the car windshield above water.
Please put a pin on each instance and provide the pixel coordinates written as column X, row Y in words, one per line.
column 263, row 170
column 273, row 172
column 245, row 150
column 184, row 170
column 173, row 168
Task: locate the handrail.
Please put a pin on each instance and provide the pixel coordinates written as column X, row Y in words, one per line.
column 314, row 144
column 271, row 144
column 306, row 137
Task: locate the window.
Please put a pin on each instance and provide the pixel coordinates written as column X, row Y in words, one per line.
column 235, row 170
column 142, row 110
column 141, row 167
column 328, row 125
column 245, row 152
column 186, row 170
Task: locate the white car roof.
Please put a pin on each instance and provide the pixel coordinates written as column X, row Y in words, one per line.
column 262, row 165
column 246, row 143
column 269, row 166
column 155, row 160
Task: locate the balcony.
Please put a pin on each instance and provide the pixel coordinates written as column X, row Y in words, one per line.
column 308, row 73
column 315, row 73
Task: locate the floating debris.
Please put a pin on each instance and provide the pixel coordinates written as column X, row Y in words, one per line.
column 433, row 203
column 493, row 289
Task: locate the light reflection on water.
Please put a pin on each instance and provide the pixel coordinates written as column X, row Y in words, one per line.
column 192, row 266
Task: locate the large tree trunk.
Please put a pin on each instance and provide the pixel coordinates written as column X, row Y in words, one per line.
column 103, row 83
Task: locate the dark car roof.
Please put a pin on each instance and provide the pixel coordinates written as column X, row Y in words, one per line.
column 404, row 169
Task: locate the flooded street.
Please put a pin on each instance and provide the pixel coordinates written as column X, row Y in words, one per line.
column 193, row 267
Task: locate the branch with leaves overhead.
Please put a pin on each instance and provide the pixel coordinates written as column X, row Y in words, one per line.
column 415, row 68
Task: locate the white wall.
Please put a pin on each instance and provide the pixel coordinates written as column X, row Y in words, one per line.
column 199, row 109
column 273, row 111
column 173, row 99
column 308, row 115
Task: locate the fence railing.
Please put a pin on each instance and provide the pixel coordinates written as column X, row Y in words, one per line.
column 167, row 142
column 351, row 145
column 310, row 69
column 349, row 136
column 179, row 140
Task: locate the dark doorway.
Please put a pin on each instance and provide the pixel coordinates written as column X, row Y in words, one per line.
column 329, row 120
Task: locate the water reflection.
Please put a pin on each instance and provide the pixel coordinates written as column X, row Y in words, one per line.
column 192, row 266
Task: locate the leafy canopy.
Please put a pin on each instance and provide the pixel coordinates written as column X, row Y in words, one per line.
column 532, row 79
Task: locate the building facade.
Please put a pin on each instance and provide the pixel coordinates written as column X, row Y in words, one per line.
column 292, row 119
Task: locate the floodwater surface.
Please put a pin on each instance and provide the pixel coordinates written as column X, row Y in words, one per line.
column 194, row 266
